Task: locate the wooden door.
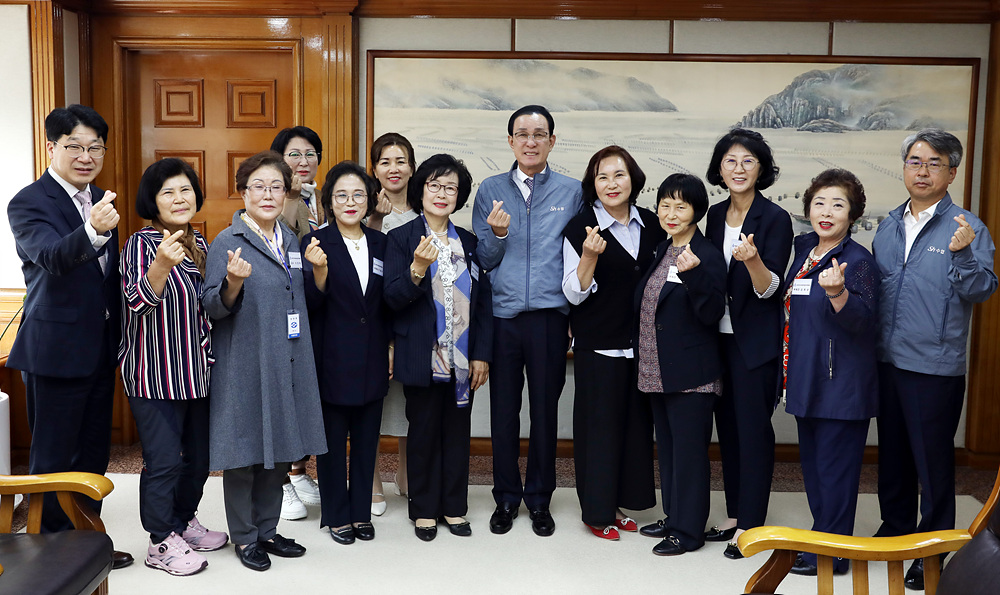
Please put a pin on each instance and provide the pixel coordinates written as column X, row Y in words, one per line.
column 212, row 108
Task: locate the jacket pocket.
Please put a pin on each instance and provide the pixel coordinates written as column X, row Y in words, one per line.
column 55, row 313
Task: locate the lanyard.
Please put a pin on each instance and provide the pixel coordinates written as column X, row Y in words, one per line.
column 275, row 248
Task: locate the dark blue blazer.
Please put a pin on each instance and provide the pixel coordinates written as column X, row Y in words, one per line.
column 70, row 305
column 687, row 318
column 350, row 329
column 757, row 323
column 415, row 320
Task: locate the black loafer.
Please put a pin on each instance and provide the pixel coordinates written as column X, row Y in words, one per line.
column 803, row 568
column 282, row 547
column 344, row 536
column 670, row 546
column 503, row 518
column 914, row 579
column 426, row 533
column 542, row 523
column 657, row 529
column 733, row 552
column 121, row 560
column 364, row 531
column 253, row 557
column 717, row 534
column 463, row 529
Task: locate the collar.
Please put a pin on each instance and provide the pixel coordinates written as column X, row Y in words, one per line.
column 520, row 176
column 929, row 211
column 605, row 220
column 69, row 188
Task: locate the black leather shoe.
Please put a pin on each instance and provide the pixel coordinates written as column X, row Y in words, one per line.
column 121, row 560
column 253, row 557
column 364, row 531
column 717, row 534
column 657, row 529
column 670, row 546
column 503, row 518
column 803, row 568
column 282, row 547
column 426, row 533
column 733, row 552
column 542, row 523
column 463, row 529
column 343, row 536
column 915, row 576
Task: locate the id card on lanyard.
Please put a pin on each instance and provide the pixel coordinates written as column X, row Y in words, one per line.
column 292, row 316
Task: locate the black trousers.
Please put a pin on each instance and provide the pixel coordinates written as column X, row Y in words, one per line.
column 174, row 437
column 917, row 420
column 342, row 502
column 252, row 496
column 612, row 438
column 534, row 342
column 70, row 421
column 746, row 437
column 683, row 433
column 437, row 451
column 831, row 453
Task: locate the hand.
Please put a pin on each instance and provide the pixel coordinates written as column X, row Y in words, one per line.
column 383, row 206
column 594, row 245
column 296, row 190
column 424, row 255
column 480, row 371
column 237, row 269
column 498, row 219
column 103, row 216
column 315, row 255
column 687, row 260
column 746, row 250
column 170, row 252
column 832, row 279
column 963, row 235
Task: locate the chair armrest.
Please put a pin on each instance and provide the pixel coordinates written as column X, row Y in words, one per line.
column 89, row 484
column 904, row 547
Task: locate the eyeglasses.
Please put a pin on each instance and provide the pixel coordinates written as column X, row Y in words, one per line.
column 309, row 155
column 96, row 151
column 359, row 197
column 748, row 164
column 933, row 167
column 538, row 137
column 434, row 188
column 259, row 189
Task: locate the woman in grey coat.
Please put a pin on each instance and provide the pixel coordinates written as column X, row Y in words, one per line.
column 265, row 407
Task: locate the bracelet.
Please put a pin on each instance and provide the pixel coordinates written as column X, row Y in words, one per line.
column 838, row 294
column 414, row 273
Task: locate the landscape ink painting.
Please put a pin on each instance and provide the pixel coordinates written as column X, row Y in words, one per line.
column 669, row 114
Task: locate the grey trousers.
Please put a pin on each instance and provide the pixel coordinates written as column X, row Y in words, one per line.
column 253, row 501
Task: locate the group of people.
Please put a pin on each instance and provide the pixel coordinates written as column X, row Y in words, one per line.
column 283, row 338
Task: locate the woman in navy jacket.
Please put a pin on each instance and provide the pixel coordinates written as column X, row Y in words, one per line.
column 350, row 332
column 443, row 329
column 831, row 302
column 755, row 238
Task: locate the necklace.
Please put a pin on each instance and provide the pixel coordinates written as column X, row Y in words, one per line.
column 441, row 234
column 357, row 242
column 396, row 209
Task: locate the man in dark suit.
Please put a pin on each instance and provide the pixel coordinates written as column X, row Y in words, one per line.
column 65, row 231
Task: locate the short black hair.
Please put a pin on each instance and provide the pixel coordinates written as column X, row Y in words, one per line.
column 284, row 137
column 687, row 188
column 638, row 178
column 390, row 139
column 347, row 168
column 436, row 166
column 262, row 159
column 531, row 109
column 62, row 120
column 846, row 181
column 752, row 141
column 152, row 181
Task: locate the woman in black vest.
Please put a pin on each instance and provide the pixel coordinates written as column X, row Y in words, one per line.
column 680, row 302
column 606, row 250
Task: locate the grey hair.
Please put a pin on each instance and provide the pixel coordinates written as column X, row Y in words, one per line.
column 943, row 142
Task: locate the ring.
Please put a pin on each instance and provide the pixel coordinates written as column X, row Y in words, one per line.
column 823, row 274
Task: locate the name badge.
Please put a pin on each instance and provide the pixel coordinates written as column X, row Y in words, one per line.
column 475, row 271
column 295, row 260
column 293, row 324
column 672, row 275
column 377, row 266
column 802, row 286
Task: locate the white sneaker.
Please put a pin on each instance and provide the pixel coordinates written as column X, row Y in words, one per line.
column 292, row 509
column 174, row 556
column 306, row 489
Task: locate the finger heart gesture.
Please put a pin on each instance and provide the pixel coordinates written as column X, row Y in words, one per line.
column 832, row 279
column 315, row 255
column 746, row 248
column 594, row 245
column 171, row 251
column 687, row 260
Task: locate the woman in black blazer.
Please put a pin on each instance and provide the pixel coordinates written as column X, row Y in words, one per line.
column 755, row 238
column 680, row 301
column 350, row 332
column 443, row 329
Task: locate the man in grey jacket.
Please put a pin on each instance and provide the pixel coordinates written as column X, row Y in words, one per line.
column 519, row 217
column 936, row 261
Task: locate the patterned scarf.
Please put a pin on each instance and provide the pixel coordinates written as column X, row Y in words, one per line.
column 451, row 286
column 807, row 266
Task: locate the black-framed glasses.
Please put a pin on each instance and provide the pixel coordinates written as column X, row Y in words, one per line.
column 74, row 150
column 359, row 197
column 933, row 167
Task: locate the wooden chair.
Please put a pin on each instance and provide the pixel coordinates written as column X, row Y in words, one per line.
column 76, row 561
column 787, row 542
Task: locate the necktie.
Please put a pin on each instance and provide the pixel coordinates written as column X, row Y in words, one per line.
column 530, row 183
column 83, row 197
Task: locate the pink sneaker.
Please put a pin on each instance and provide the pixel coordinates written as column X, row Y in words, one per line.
column 174, row 556
column 201, row 539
